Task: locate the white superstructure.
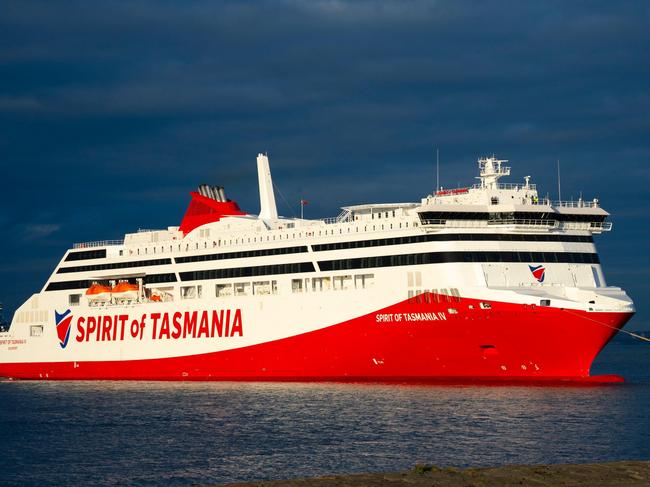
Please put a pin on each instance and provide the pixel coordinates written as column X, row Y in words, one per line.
column 284, row 277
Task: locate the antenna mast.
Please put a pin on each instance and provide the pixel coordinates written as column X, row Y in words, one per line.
column 559, row 188
column 437, row 169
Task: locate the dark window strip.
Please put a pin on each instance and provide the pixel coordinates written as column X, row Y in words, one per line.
column 86, row 283
column 86, row 255
column 452, row 257
column 510, row 215
column 114, row 265
column 262, row 270
column 445, row 237
column 243, row 254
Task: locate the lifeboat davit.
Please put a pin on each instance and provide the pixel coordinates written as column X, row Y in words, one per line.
column 125, row 291
column 98, row 293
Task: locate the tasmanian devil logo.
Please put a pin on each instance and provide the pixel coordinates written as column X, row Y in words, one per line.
column 63, row 322
column 538, row 272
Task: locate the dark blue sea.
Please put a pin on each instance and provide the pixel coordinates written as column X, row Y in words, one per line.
column 150, row 433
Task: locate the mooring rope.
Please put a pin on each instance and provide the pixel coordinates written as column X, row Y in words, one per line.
column 633, row 335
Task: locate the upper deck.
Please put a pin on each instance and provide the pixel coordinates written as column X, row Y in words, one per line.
column 487, row 206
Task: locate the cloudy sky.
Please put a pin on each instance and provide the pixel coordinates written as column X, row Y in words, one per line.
column 111, row 112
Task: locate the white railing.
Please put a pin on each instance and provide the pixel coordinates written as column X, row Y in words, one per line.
column 509, row 186
column 576, row 204
column 566, row 204
column 344, row 216
column 593, row 226
column 485, row 223
column 550, row 224
column 98, row 243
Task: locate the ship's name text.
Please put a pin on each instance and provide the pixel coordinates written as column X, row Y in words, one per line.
column 401, row 317
column 161, row 326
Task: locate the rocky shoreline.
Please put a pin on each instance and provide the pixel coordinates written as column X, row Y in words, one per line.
column 614, row 474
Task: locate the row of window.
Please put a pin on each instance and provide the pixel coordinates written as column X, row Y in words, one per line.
column 262, row 270
column 427, row 296
column 114, row 265
column 85, row 283
column 510, row 215
column 446, row 237
column 451, row 257
column 86, row 254
column 335, row 283
column 256, row 288
column 242, row 254
column 358, row 263
column 96, row 254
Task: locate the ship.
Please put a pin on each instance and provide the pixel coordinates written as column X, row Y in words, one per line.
column 489, row 282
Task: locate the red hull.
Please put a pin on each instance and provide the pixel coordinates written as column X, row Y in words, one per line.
column 509, row 342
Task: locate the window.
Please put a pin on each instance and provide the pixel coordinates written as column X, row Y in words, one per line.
column 435, row 296
column 455, row 294
column 224, row 290
column 36, row 330
column 363, row 281
column 87, row 254
column 242, row 288
column 189, row 292
column 296, row 285
column 545, row 302
column 261, row 288
column 342, row 283
column 74, row 299
column 321, row 284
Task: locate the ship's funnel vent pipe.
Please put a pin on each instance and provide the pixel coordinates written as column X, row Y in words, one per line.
column 216, row 193
column 268, row 209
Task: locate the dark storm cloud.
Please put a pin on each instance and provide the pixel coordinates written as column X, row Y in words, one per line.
column 110, row 112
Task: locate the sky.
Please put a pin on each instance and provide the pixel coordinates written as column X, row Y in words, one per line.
column 112, row 111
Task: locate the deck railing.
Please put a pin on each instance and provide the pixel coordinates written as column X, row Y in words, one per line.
column 509, row 186
column 344, row 216
column 537, row 224
column 98, row 243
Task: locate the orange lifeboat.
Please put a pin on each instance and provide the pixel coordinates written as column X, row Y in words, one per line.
column 125, row 291
column 98, row 293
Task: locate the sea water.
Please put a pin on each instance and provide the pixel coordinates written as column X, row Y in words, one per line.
column 156, row 433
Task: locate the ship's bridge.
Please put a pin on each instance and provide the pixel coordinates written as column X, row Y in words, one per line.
column 519, row 205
